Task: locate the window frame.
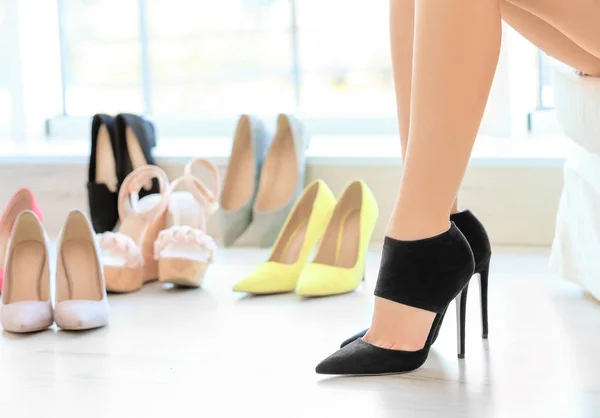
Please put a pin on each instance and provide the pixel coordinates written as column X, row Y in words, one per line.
column 510, row 118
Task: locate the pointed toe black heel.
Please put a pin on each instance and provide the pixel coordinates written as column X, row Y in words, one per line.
column 136, row 138
column 103, row 182
column 479, row 241
column 426, row 274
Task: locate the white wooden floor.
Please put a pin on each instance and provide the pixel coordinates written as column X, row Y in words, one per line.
column 211, row 353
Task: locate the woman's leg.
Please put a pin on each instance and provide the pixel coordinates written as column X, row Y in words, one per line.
column 402, row 27
column 537, row 31
column 456, row 49
column 578, row 20
column 549, row 39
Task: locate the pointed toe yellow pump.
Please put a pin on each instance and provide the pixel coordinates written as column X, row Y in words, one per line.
column 302, row 230
column 339, row 265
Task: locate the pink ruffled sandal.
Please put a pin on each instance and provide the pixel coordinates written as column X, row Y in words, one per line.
column 127, row 255
column 22, row 200
column 184, row 250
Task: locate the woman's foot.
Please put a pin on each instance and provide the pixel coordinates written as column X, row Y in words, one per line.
column 399, row 327
column 478, row 239
column 396, row 326
column 417, row 281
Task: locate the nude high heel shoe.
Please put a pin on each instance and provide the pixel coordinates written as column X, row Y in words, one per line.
column 81, row 301
column 250, row 146
column 128, row 255
column 184, row 250
column 22, row 200
column 281, row 180
column 26, row 305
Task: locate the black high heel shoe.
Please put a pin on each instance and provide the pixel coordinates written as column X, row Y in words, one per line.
column 478, row 239
column 136, row 137
column 103, row 180
column 426, row 274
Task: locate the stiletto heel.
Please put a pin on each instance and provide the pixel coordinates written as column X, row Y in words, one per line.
column 478, row 240
column 250, row 146
column 103, row 180
column 427, row 274
column 483, row 288
column 26, row 304
column 461, row 311
column 305, row 226
column 81, row 301
column 339, row 262
column 282, row 179
column 136, row 138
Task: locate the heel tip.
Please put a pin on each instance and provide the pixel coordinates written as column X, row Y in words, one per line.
column 484, row 336
column 461, row 356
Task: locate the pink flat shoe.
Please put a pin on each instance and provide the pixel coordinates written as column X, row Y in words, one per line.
column 22, row 200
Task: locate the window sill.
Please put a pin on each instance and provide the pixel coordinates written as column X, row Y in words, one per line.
column 324, row 150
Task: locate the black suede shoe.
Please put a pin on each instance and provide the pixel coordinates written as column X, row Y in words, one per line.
column 136, row 137
column 478, row 239
column 103, row 179
column 426, row 274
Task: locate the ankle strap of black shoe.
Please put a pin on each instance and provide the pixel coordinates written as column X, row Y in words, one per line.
column 426, row 273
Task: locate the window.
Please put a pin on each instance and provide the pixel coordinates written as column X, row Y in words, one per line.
column 344, row 59
column 5, row 96
column 183, row 58
column 219, row 58
column 101, row 60
column 545, row 88
column 193, row 66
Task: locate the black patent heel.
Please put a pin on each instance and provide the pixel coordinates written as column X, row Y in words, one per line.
column 461, row 312
column 483, row 289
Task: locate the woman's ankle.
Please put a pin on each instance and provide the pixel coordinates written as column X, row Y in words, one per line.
column 454, row 207
column 414, row 228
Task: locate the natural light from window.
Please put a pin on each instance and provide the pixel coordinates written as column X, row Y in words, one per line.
column 194, row 66
column 5, row 97
column 183, row 58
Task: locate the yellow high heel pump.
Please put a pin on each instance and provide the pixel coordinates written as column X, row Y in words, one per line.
column 303, row 228
column 339, row 265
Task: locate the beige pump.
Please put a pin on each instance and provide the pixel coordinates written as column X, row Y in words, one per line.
column 184, row 250
column 26, row 305
column 81, row 301
column 127, row 255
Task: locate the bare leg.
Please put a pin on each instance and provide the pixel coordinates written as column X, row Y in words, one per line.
column 550, row 40
column 456, row 49
column 578, row 20
column 539, row 32
column 402, row 26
